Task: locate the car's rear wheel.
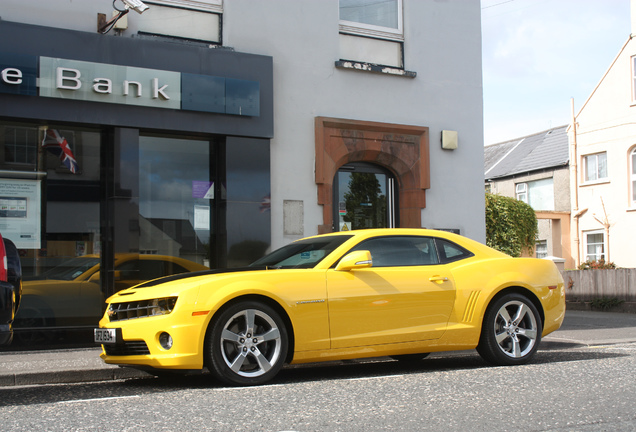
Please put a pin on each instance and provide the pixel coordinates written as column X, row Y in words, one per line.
column 511, row 331
column 247, row 344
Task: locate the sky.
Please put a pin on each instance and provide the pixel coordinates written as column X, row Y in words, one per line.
column 539, row 54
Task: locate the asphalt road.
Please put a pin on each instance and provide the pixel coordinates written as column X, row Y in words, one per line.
column 570, row 386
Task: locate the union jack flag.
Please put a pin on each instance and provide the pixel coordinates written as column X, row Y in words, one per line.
column 58, row 145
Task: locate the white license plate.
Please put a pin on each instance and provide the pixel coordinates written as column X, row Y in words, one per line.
column 105, row 336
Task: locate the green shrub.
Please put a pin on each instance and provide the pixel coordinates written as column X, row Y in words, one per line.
column 511, row 225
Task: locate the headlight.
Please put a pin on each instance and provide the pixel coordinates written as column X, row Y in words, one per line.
column 141, row 308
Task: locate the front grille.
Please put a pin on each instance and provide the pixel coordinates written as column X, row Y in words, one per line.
column 127, row 348
column 140, row 309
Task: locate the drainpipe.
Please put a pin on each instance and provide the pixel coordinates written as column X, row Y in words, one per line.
column 575, row 171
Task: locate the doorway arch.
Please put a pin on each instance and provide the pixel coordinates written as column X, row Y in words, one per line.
column 401, row 149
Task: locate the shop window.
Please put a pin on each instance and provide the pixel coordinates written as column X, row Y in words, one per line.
column 50, row 192
column 175, row 199
column 595, row 245
column 595, row 167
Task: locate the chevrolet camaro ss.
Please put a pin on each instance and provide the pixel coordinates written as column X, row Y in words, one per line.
column 401, row 293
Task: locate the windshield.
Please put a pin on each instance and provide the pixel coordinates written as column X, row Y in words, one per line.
column 302, row 254
column 70, row 269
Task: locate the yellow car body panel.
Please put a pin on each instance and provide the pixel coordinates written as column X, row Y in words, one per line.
column 361, row 312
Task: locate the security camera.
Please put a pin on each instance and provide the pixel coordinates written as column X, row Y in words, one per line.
column 136, row 5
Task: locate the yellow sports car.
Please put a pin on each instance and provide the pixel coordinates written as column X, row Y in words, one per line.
column 385, row 292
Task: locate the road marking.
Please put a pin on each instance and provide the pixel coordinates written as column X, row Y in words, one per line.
column 97, row 399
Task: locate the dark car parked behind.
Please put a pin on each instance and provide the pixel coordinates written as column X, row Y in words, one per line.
column 10, row 288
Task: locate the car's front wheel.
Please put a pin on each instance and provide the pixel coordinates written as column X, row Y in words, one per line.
column 247, row 344
column 511, row 331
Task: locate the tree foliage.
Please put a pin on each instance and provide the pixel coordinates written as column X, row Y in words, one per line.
column 511, row 225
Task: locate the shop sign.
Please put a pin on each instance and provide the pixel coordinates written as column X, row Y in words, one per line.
column 127, row 85
column 98, row 82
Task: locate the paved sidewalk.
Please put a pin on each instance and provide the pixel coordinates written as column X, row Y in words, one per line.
column 84, row 365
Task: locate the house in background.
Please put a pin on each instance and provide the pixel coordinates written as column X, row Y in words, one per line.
column 604, row 176
column 534, row 169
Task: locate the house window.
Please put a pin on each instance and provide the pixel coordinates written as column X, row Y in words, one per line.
column 521, row 190
column 539, row 194
column 595, row 167
column 633, row 176
column 595, row 245
column 184, row 19
column 375, row 18
column 541, row 249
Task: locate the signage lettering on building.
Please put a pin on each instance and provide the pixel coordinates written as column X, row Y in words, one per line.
column 127, row 85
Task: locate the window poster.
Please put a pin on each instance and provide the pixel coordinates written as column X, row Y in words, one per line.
column 20, row 211
column 201, row 217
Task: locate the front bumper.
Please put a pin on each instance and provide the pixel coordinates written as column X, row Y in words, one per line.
column 140, row 346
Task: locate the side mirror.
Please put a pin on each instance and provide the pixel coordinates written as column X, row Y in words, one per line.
column 355, row 260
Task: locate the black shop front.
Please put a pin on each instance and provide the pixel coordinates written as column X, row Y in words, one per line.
column 122, row 160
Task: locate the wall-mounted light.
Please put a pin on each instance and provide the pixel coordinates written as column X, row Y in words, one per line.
column 449, row 140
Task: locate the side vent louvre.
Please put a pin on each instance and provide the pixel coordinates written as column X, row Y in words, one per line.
column 470, row 306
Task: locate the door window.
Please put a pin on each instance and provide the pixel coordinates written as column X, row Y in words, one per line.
column 364, row 196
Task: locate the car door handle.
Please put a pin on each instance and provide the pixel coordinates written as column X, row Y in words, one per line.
column 438, row 279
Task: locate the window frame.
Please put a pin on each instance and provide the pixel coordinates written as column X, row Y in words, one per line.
column 543, row 246
column 374, row 31
column 603, row 254
column 598, row 179
column 438, row 252
column 215, row 6
column 521, row 192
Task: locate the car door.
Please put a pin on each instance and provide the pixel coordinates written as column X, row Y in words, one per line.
column 405, row 296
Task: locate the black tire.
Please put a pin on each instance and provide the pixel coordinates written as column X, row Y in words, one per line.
column 511, row 331
column 247, row 344
column 410, row 358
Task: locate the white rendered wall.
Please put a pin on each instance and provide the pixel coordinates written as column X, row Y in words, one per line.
column 442, row 44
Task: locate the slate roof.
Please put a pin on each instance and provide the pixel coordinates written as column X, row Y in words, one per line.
column 547, row 149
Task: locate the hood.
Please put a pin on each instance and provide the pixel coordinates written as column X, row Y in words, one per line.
column 183, row 276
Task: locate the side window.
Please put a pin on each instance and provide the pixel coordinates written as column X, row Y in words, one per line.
column 400, row 251
column 451, row 252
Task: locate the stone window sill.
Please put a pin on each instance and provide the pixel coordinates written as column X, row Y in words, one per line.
column 373, row 68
